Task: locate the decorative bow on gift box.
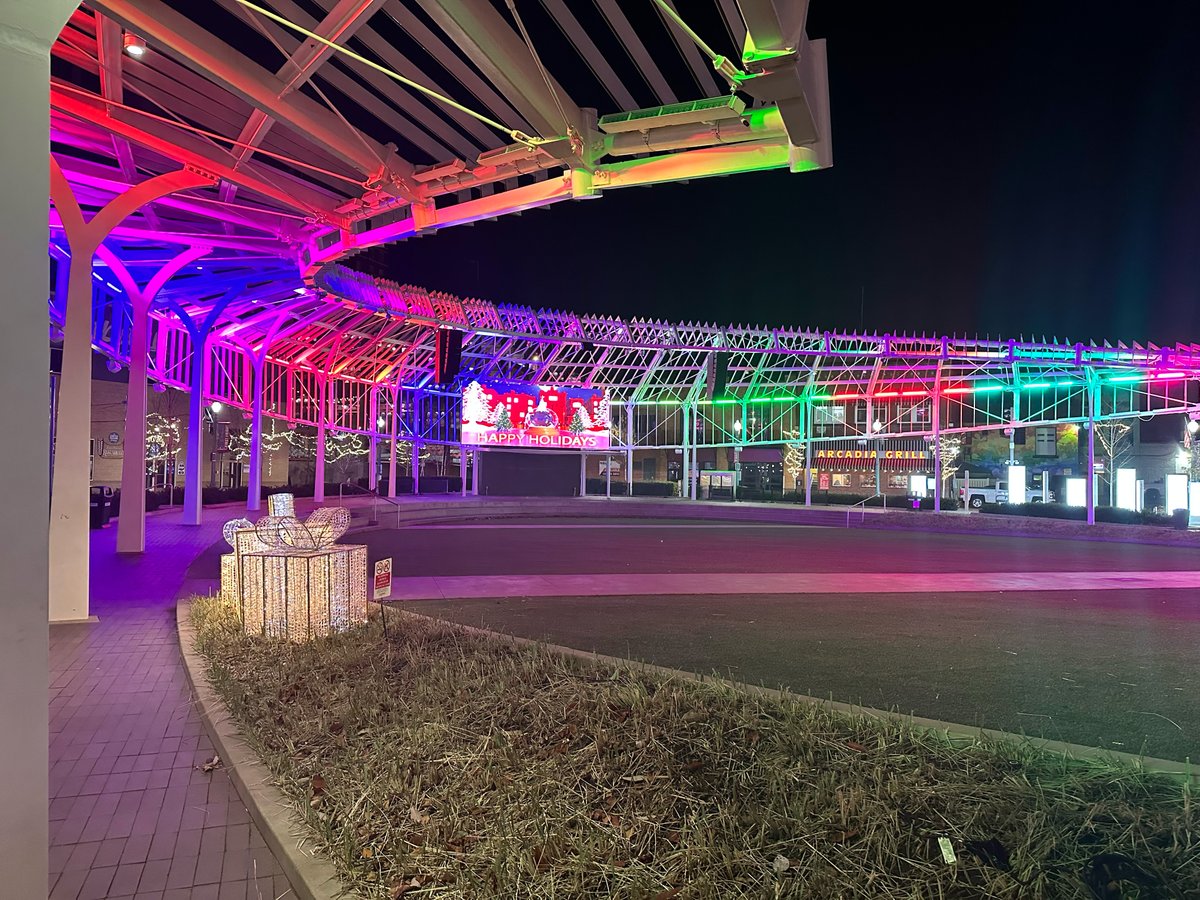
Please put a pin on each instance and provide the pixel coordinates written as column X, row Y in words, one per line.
column 286, row 533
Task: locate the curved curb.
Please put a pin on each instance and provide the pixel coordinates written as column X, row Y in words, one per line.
column 311, row 877
column 1184, row 772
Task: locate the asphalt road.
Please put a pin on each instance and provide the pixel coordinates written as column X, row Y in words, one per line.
column 1103, row 668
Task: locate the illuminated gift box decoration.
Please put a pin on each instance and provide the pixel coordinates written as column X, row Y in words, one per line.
column 291, row 579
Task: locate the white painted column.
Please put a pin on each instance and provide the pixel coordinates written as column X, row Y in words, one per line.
column 686, row 475
column 193, row 487
column 26, row 32
column 462, row 469
column 1090, row 486
column 392, row 454
column 372, row 443
column 415, row 467
column 69, row 533
column 131, row 524
column 808, row 452
column 629, row 449
column 254, row 485
column 319, row 465
column 582, row 473
column 937, row 452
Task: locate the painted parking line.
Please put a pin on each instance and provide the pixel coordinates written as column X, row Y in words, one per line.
column 590, row 527
column 464, row 587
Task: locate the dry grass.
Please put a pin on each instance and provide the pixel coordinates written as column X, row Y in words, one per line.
column 437, row 763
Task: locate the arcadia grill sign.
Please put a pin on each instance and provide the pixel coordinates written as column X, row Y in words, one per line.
column 846, row 459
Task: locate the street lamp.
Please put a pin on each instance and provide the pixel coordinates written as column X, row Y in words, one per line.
column 877, row 427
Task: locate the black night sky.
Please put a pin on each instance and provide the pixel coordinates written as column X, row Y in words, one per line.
column 1016, row 169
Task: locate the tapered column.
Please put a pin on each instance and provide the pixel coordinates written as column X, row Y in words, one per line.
column 319, row 467
column 254, row 487
column 131, row 523
column 69, row 535
column 26, row 32
column 193, row 485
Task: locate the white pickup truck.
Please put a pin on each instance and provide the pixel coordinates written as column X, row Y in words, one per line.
column 998, row 494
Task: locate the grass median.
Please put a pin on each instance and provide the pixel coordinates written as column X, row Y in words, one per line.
column 431, row 761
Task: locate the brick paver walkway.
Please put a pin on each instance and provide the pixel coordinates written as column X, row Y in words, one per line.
column 132, row 814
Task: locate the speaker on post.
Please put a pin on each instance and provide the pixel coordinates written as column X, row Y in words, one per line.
column 447, row 356
column 718, row 376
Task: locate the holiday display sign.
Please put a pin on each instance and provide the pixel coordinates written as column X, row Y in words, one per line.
column 525, row 415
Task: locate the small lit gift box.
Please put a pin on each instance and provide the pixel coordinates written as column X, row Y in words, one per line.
column 304, row 594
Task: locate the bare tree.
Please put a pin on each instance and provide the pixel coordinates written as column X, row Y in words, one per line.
column 1115, row 447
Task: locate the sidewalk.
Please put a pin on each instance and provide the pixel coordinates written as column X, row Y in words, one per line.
column 132, row 814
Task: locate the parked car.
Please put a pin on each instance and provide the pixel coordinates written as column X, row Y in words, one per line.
column 997, row 494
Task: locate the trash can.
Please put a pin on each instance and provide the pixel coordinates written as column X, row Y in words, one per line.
column 101, row 507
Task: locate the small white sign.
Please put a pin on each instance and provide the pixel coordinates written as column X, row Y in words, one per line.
column 383, row 579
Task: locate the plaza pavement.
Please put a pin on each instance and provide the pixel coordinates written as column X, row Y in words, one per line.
column 132, row 813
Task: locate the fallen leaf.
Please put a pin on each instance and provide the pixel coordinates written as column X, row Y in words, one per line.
column 318, row 785
column 856, row 746
column 367, row 852
column 753, row 737
column 668, row 894
column 780, row 864
column 417, row 816
column 210, row 764
column 402, row 888
column 842, row 837
column 692, row 765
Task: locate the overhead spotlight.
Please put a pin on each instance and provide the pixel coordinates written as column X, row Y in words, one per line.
column 159, row 387
column 1193, row 426
column 113, row 366
column 134, row 45
column 216, row 406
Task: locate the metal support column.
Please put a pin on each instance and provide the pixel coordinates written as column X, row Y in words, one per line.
column 393, row 447
column 685, row 483
column 372, row 442
column 582, row 473
column 628, row 449
column 193, row 489
column 937, row 451
column 322, row 420
column 807, row 452
column 462, row 470
column 1091, row 463
column 254, row 487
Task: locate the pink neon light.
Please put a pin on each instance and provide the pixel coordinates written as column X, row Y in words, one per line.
column 887, row 394
column 1171, row 375
column 845, row 397
column 958, row 390
column 913, row 393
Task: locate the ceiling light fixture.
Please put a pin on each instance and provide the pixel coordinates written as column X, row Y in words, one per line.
column 134, row 45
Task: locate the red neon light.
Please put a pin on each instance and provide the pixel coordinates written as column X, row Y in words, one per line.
column 845, row 397
column 958, row 390
column 913, row 393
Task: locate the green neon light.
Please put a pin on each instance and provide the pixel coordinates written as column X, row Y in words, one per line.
column 779, row 398
column 1120, row 378
column 989, row 388
column 1037, row 385
column 1067, row 383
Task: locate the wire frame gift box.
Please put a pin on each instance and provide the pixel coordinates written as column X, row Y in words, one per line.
column 304, row 594
column 290, row 579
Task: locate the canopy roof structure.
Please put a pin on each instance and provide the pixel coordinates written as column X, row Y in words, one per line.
column 326, row 127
